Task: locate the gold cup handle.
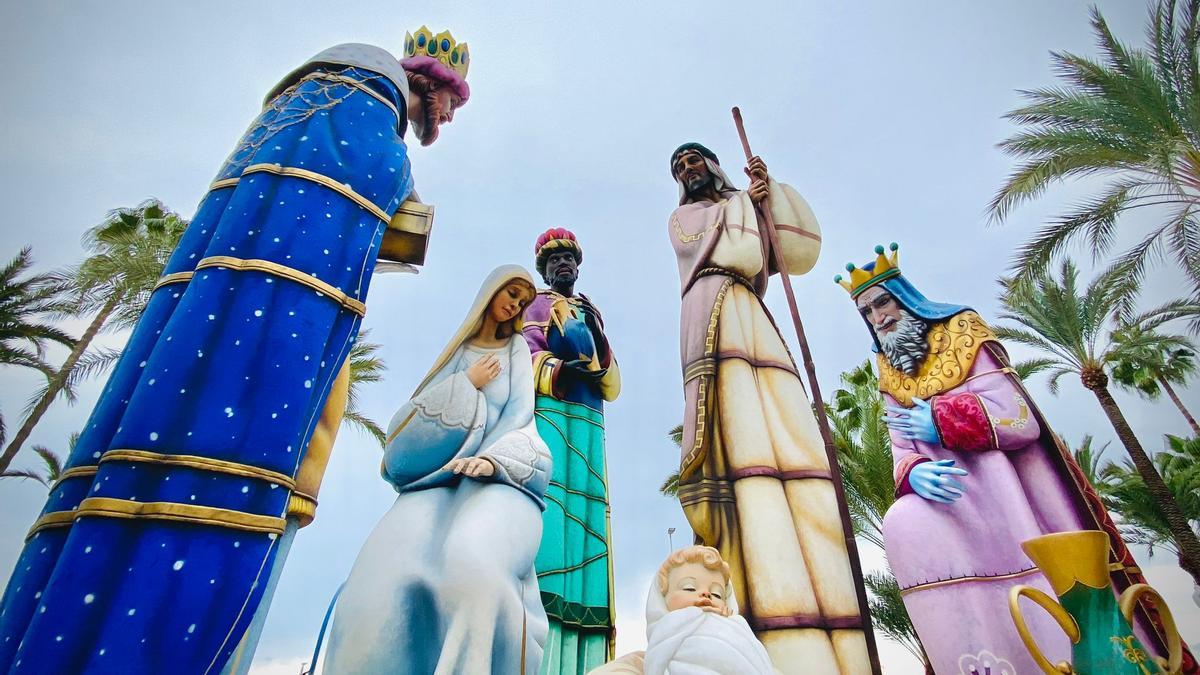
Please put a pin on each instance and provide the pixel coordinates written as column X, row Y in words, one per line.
column 1056, row 611
column 1129, row 600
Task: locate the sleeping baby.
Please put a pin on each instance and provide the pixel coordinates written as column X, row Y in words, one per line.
column 692, row 624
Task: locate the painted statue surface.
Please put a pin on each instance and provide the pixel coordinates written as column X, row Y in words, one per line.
column 978, row 471
column 153, row 553
column 445, row 582
column 755, row 481
column 692, row 623
column 575, row 372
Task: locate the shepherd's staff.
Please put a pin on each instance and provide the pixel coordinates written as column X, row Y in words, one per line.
column 766, row 229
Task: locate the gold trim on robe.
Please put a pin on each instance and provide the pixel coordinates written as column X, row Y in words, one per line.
column 284, row 272
column 52, row 519
column 202, row 463
column 106, row 507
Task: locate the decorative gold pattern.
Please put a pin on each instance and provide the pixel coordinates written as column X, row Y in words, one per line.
column 106, row 507
column 686, row 238
column 1130, row 653
column 224, row 183
column 202, row 463
column 357, row 84
column 953, row 346
column 1022, row 419
column 692, row 460
column 285, row 272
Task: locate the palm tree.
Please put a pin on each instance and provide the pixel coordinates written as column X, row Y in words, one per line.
column 1132, row 116
column 23, row 300
column 1125, row 493
column 889, row 614
column 1151, row 371
column 864, row 448
column 365, row 367
column 127, row 253
column 1071, row 329
column 1091, row 462
column 52, row 464
column 670, row 485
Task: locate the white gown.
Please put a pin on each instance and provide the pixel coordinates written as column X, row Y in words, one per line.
column 445, row 583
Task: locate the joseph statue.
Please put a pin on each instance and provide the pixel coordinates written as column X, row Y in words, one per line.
column 754, row 478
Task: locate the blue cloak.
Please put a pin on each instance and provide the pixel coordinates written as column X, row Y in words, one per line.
column 152, row 553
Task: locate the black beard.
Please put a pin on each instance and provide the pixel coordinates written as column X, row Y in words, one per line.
column 905, row 347
column 698, row 184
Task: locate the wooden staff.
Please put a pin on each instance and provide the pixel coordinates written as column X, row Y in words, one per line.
column 766, row 229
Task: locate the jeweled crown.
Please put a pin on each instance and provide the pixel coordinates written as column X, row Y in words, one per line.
column 456, row 57
column 886, row 266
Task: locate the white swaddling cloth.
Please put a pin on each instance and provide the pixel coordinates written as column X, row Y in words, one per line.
column 692, row 641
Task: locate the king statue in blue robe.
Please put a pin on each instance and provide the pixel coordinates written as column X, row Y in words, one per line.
column 157, row 549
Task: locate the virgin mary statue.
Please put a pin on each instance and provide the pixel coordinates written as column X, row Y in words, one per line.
column 445, row 583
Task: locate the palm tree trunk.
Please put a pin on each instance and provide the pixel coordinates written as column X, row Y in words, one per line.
column 1162, row 381
column 59, row 380
column 1185, row 538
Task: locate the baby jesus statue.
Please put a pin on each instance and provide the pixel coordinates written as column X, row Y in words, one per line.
column 692, row 623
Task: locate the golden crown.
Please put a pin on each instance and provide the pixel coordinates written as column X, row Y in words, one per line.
column 886, row 266
column 442, row 47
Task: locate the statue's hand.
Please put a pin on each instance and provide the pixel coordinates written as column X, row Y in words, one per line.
column 914, row 423
column 579, row 370
column 756, row 169
column 483, row 371
column 471, row 467
column 932, row 480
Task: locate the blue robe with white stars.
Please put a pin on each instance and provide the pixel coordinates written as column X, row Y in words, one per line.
column 151, row 556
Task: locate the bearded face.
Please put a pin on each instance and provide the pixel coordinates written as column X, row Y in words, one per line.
column 691, row 169
column 434, row 106
column 562, row 270
column 901, row 335
column 905, row 347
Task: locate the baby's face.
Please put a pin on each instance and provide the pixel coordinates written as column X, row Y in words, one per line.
column 694, row 585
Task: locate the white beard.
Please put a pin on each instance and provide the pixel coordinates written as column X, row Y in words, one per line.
column 905, row 346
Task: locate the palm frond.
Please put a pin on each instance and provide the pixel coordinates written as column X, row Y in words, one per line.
column 1028, row 368
column 365, row 424
column 53, row 463
column 23, row 475
column 670, row 485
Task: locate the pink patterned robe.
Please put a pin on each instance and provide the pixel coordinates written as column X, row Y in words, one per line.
column 955, row 563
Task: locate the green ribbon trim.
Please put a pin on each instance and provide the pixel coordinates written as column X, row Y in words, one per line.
column 575, row 615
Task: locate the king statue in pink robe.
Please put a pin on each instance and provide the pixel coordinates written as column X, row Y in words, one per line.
column 978, row 471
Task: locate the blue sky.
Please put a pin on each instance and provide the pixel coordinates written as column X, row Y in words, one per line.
column 883, row 115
